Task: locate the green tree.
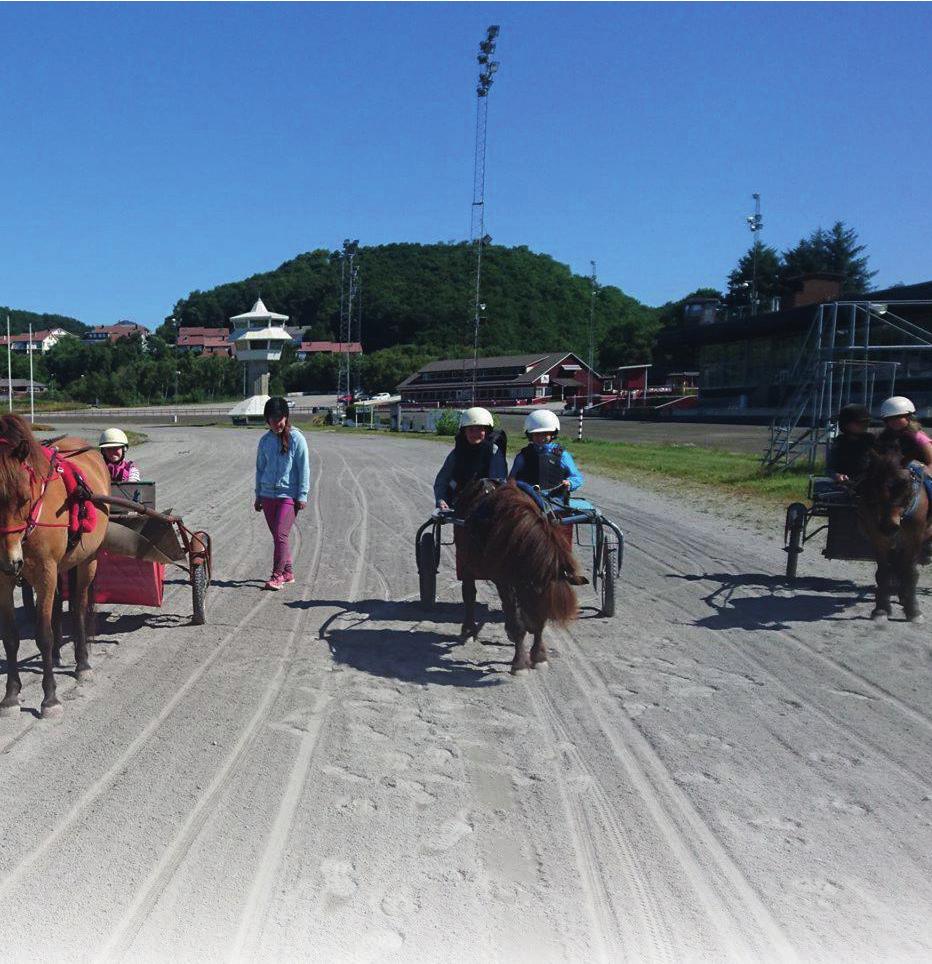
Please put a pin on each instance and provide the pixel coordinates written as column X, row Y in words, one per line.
column 836, row 251
column 741, row 279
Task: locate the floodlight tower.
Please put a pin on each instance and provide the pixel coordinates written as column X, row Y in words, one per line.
column 349, row 277
column 594, row 285
column 755, row 223
column 477, row 235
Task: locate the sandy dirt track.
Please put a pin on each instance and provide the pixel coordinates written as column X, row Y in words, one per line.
column 724, row 771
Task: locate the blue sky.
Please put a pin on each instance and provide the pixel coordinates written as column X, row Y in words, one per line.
column 147, row 150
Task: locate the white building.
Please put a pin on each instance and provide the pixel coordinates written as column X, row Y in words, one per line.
column 258, row 338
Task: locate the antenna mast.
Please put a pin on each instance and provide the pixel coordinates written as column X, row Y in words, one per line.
column 755, row 223
column 349, row 286
column 477, row 235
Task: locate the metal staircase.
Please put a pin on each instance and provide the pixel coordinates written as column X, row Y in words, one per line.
column 841, row 361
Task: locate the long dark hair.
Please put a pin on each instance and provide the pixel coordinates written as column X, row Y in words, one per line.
column 275, row 408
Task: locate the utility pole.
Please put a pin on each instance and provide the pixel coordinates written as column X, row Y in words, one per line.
column 32, row 384
column 348, row 287
column 9, row 364
column 594, row 285
column 477, row 235
column 755, row 223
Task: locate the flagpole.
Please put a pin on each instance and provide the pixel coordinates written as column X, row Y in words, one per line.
column 32, row 384
column 9, row 365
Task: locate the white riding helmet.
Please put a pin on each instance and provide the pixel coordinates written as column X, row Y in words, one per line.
column 476, row 416
column 897, row 405
column 113, row 438
column 541, row 420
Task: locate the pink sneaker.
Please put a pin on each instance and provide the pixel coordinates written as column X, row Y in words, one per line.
column 276, row 582
column 287, row 576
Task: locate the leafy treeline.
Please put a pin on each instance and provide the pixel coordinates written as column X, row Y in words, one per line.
column 417, row 298
column 20, row 321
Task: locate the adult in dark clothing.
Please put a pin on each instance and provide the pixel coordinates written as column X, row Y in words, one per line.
column 849, row 454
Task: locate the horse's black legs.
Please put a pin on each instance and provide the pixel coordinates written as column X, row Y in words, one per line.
column 539, row 650
column 514, row 627
column 45, row 587
column 882, row 598
column 10, row 647
column 470, row 627
column 80, row 609
column 907, row 576
column 57, row 640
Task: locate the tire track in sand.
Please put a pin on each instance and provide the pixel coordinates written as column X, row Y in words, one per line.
column 100, row 786
column 718, row 882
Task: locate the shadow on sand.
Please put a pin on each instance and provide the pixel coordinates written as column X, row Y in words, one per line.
column 807, row 600
column 358, row 637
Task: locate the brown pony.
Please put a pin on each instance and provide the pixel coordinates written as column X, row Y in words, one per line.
column 507, row 539
column 35, row 546
column 893, row 508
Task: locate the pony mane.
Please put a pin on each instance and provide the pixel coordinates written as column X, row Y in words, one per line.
column 522, row 534
column 17, row 448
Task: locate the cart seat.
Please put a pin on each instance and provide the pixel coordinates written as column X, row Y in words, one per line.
column 582, row 505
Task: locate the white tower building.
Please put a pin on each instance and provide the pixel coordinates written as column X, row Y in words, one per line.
column 258, row 338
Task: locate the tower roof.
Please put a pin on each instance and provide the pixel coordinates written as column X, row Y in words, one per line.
column 259, row 312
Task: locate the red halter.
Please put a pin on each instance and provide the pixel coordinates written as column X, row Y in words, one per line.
column 35, row 509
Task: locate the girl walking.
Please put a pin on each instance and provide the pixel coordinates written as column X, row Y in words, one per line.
column 282, row 484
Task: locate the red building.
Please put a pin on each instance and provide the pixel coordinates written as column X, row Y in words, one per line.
column 328, row 348
column 205, row 341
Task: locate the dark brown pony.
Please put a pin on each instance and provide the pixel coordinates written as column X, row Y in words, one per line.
column 507, row 539
column 34, row 546
column 893, row 508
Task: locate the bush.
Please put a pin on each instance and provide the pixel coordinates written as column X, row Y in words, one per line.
column 448, row 423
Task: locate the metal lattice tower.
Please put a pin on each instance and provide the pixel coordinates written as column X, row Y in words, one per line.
column 477, row 235
column 349, row 286
column 755, row 223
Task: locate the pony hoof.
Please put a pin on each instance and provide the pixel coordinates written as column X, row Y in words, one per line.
column 469, row 630
column 52, row 711
column 916, row 618
column 85, row 675
column 542, row 664
column 8, row 709
column 519, row 671
column 880, row 616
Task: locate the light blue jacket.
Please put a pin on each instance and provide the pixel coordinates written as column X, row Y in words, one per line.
column 282, row 475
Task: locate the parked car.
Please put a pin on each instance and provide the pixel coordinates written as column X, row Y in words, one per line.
column 380, row 396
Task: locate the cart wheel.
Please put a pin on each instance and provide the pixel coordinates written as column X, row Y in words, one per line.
column 427, row 568
column 609, row 570
column 198, row 592
column 795, row 530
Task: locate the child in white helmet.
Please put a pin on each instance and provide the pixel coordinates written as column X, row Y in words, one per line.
column 113, row 444
column 478, row 453
column 542, row 461
column 901, row 426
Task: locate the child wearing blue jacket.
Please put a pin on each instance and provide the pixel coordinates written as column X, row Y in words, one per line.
column 543, row 462
column 283, row 476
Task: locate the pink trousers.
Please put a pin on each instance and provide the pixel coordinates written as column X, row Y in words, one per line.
column 279, row 514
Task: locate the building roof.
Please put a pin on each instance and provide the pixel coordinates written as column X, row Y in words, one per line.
column 23, row 336
column 335, row 347
column 260, row 334
column 251, row 407
column 534, row 366
column 259, row 312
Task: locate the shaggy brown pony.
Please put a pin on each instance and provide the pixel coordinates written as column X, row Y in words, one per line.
column 508, row 540
column 38, row 554
column 893, row 508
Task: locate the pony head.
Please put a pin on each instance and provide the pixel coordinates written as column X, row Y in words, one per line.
column 886, row 490
column 21, row 460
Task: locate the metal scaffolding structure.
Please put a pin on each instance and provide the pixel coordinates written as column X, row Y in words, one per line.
column 477, row 235
column 842, row 361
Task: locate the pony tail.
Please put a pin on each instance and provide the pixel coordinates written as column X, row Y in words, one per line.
column 560, row 602
column 286, row 434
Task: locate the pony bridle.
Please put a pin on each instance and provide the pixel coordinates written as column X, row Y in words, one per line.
column 35, row 510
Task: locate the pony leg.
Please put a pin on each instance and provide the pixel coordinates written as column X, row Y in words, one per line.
column 80, row 608
column 882, row 595
column 10, row 647
column 57, row 641
column 907, row 577
column 470, row 627
column 45, row 587
column 514, row 627
column 539, row 650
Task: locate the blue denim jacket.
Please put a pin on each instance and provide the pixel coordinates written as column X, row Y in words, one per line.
column 282, row 475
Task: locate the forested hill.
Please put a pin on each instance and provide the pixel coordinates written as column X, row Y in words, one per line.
column 422, row 294
column 20, row 321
